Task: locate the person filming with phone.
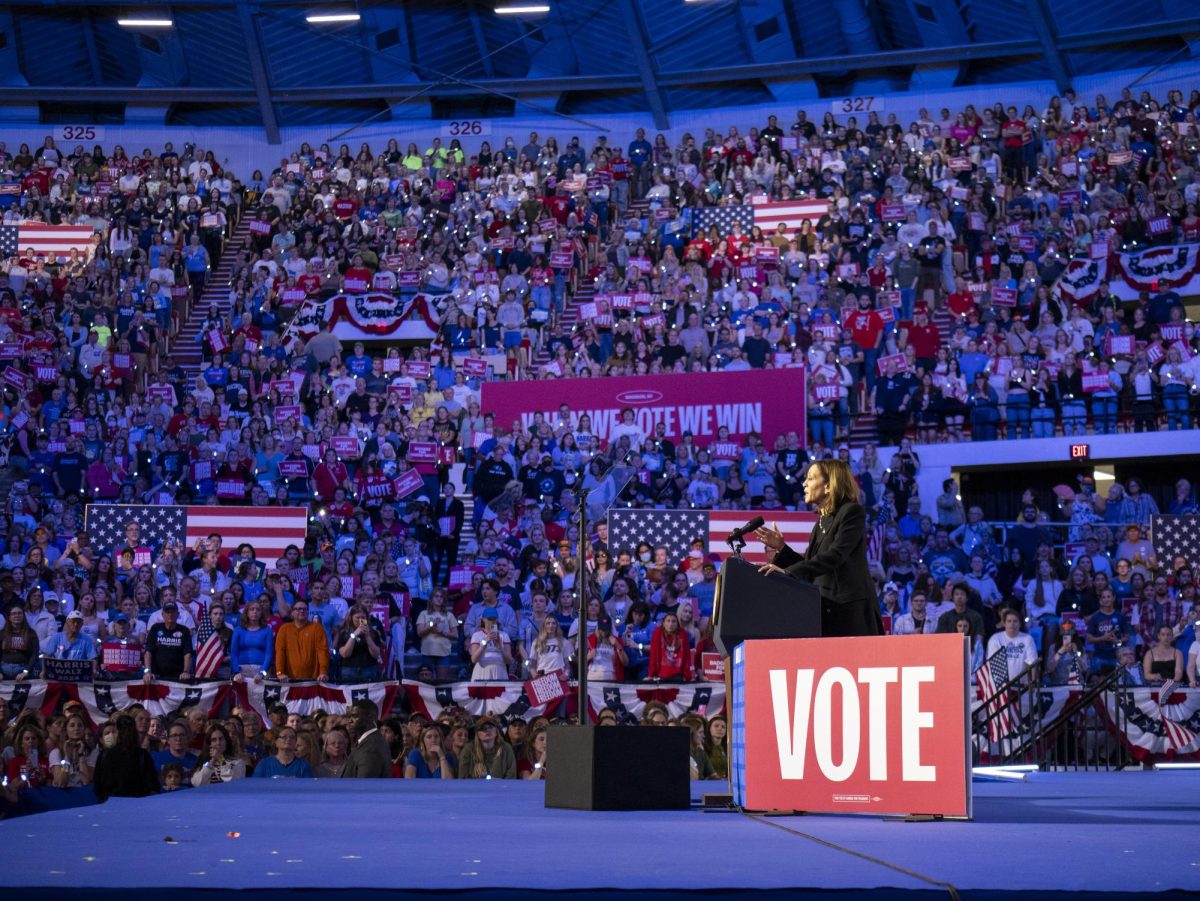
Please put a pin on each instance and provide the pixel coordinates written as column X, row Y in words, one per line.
column 836, row 558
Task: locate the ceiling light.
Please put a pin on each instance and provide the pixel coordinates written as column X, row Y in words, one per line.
column 522, row 9
column 327, row 18
column 145, row 23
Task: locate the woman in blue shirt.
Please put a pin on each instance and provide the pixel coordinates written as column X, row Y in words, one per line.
column 429, row 760
column 252, row 650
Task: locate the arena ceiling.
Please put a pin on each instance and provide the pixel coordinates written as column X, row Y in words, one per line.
column 266, row 64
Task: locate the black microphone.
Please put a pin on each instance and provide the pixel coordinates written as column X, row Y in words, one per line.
column 751, row 526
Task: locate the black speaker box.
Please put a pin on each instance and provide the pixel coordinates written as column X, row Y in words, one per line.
column 618, row 767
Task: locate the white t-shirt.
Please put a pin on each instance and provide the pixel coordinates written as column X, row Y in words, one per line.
column 1021, row 650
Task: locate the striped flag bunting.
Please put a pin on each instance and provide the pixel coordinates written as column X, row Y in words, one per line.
column 990, row 677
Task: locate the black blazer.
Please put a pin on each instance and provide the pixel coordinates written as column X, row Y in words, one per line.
column 836, row 562
column 369, row 759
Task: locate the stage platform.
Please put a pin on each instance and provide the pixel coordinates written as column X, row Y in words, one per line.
column 1109, row 835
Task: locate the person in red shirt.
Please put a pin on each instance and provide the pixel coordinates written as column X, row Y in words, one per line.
column 670, row 652
column 924, row 337
column 866, row 325
column 345, row 206
column 357, row 278
column 960, row 301
column 1014, row 132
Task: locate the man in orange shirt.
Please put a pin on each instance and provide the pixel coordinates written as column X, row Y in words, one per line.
column 301, row 647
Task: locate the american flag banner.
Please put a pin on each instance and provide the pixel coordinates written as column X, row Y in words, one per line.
column 723, row 217
column 990, row 677
column 209, row 653
column 768, row 214
column 677, row 529
column 268, row 529
column 1178, row 736
column 51, row 241
column 1176, row 536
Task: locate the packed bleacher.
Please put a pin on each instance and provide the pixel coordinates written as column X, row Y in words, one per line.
column 933, row 287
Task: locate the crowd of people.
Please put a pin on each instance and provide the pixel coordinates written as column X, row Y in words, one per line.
column 922, row 224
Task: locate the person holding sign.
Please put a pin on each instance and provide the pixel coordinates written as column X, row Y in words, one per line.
column 836, row 558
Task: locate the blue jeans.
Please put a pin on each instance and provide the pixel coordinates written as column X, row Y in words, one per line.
column 983, row 423
column 1074, row 414
column 1043, row 422
column 1017, row 405
column 869, row 358
column 821, row 425
column 1104, row 414
column 352, row 674
column 1175, row 402
column 541, row 296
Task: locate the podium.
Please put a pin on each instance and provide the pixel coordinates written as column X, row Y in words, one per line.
column 749, row 605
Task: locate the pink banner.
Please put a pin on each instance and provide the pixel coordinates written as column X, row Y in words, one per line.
column 768, row 401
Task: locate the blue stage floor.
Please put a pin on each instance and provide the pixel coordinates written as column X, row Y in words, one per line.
column 1115, row 834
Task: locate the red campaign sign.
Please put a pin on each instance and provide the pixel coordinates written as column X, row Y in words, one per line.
column 461, row 577
column 1068, row 198
column 406, row 483
column 1159, row 225
column 766, row 254
column 485, row 277
column 875, row 725
column 1172, row 331
column 1095, row 381
column 1004, row 297
column 502, row 243
column 886, row 314
column 160, row 393
column 344, row 445
column 260, row 227
column 958, row 163
column 1025, row 243
column 588, row 311
column 354, row 285
column 216, row 340
column 408, row 233
column 418, row 369
column 826, row 331
column 474, row 367
column 1118, row 345
column 1120, row 157
column 650, row 323
column 284, row 412
column 422, row 452
column 621, row 302
column 408, row 278
column 847, row 270
column 201, row 470
column 545, row 689
column 726, row 450
column 1185, row 352
column 827, row 393
column 292, row 296
column 18, row 379
column 560, row 260
column 447, row 454
column 122, row 361
column 76, row 426
column 46, row 373
column 768, row 401
column 553, row 368
column 293, row 469
column 712, row 666
column 898, row 359
column 231, row 488
column 400, row 394
column 10, row 350
column 57, row 446
column 392, row 364
column 1154, row 353
column 284, row 387
column 1050, row 367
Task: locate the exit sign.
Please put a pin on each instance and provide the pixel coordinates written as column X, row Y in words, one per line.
column 1080, row 451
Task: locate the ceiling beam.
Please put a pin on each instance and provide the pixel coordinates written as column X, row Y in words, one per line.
column 89, row 42
column 637, row 33
column 622, row 81
column 485, row 56
column 1039, row 17
column 258, row 73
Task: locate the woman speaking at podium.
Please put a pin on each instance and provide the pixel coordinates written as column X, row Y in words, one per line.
column 836, row 559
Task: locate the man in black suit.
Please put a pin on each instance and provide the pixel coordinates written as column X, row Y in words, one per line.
column 370, row 758
column 448, row 517
column 836, row 558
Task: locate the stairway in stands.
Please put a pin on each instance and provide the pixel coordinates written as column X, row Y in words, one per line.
column 862, row 427
column 186, row 349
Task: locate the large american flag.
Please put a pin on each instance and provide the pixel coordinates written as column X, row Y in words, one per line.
column 269, row 529
column 990, row 677
column 50, row 241
column 769, row 213
column 1178, row 735
column 723, row 217
column 1176, row 536
column 677, row 529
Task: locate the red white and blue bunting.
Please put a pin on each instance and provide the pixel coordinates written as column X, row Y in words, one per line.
column 1175, row 267
column 376, row 315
